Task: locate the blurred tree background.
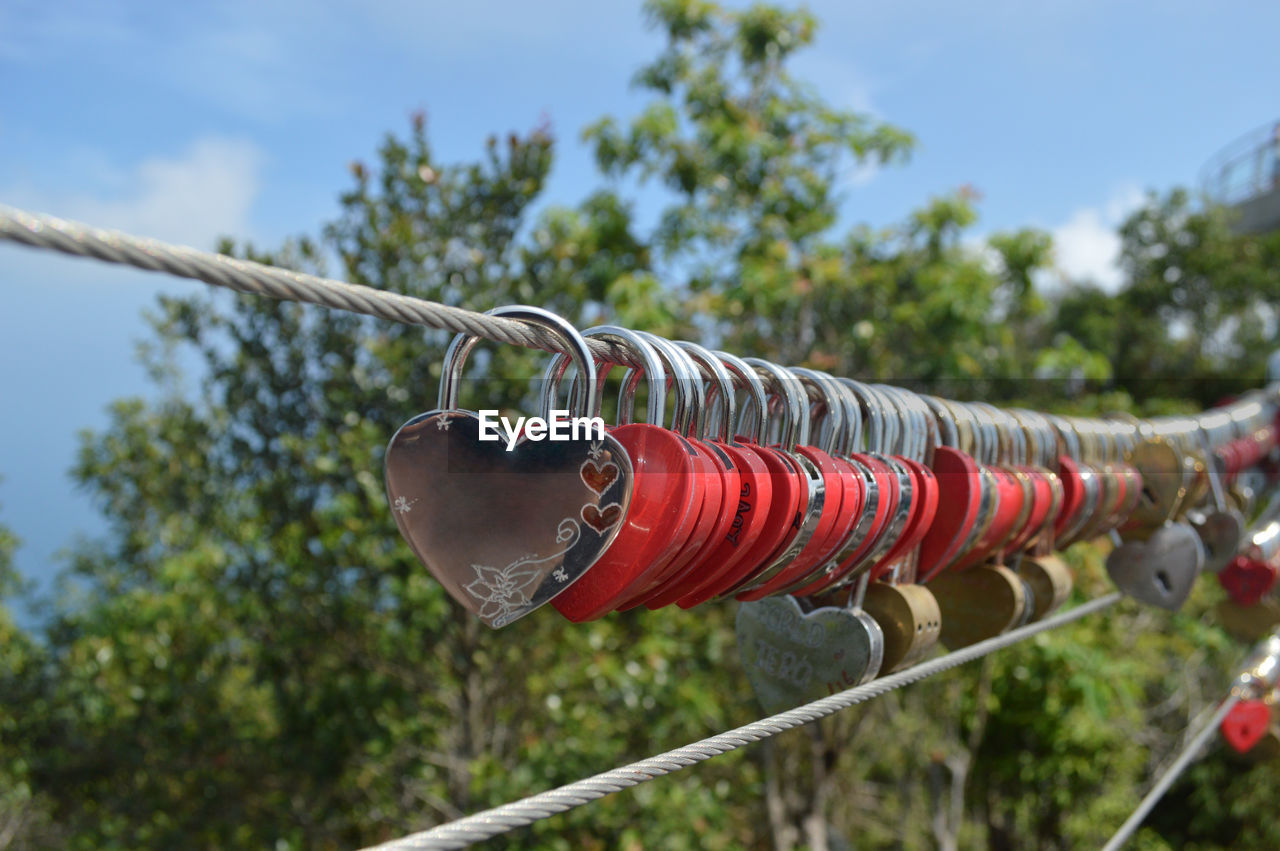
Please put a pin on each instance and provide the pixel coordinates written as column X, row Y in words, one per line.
column 252, row 658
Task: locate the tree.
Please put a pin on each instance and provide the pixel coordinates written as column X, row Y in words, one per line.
column 1195, row 317
column 258, row 660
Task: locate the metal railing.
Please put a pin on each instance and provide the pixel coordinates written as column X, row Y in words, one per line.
column 1245, row 169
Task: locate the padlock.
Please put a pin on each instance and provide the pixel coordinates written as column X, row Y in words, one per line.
column 1050, row 579
column 978, row 603
column 794, row 653
column 715, row 476
column 1248, row 623
column 749, row 506
column 910, row 619
column 507, row 531
column 775, row 520
column 666, row 467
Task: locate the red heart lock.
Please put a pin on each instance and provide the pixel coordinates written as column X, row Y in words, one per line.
column 886, row 493
column 1073, row 497
column 778, row 526
column 1246, row 724
column 959, row 504
column 721, row 478
column 1043, row 501
column 1010, row 505
column 708, row 484
column 841, row 492
column 859, row 506
column 879, row 490
column 925, row 497
column 794, row 425
column 666, row 496
column 1247, row 580
column 735, row 553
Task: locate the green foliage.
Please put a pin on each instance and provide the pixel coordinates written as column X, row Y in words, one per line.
column 1196, row 315
column 255, row 659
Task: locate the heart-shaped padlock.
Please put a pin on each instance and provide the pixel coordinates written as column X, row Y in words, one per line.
column 1247, row 580
column 1050, row 580
column 1219, row 526
column 806, row 565
column 1221, row 532
column 767, row 511
column 1248, row 623
column 668, row 493
column 745, row 506
column 978, row 604
column 715, row 476
column 1161, row 569
column 792, row 656
column 1245, row 724
column 505, row 531
column 797, row 468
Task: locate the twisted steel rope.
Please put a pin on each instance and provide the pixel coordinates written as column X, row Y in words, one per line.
column 512, row 816
column 39, row 230
column 1188, row 753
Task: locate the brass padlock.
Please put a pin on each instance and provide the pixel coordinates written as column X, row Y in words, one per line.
column 1050, row 580
column 978, row 603
column 1164, row 484
column 910, row 619
column 1249, row 623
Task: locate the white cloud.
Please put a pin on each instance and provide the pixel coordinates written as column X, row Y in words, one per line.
column 1087, row 247
column 205, row 192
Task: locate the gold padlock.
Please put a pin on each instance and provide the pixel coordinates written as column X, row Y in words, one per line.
column 978, row 603
column 910, row 619
column 1164, row 483
column 1050, row 580
column 1199, row 488
column 1249, row 623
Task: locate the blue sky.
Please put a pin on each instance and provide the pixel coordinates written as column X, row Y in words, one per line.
column 180, row 122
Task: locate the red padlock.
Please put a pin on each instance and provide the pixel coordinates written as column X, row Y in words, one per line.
column 1245, row 724
column 664, row 497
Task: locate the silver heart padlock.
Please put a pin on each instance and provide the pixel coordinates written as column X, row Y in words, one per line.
column 506, row 530
column 792, row 656
column 1161, row 569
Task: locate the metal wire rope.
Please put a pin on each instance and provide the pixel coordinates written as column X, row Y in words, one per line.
column 517, row 814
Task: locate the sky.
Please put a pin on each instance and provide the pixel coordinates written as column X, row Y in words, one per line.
column 184, row 122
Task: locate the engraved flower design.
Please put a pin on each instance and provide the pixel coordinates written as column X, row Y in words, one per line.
column 502, row 591
column 403, row 505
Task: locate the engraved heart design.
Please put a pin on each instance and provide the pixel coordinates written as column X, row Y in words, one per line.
column 599, row 477
column 1246, row 724
column 792, row 657
column 503, row 531
column 602, row 521
column 1161, row 569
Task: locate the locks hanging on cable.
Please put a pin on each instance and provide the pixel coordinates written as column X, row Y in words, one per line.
column 815, row 487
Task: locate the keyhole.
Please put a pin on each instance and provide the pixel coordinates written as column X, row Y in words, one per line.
column 1162, row 579
column 1148, row 495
